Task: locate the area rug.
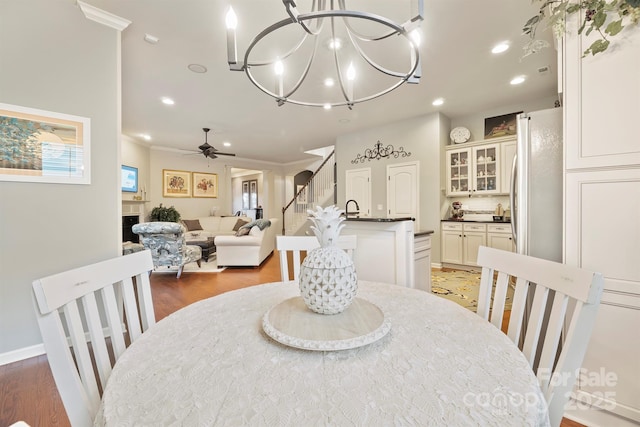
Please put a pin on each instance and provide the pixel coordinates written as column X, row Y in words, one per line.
column 192, row 267
column 461, row 287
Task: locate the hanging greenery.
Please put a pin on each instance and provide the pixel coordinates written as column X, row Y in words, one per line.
column 606, row 18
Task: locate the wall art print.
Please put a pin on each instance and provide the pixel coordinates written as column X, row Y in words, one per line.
column 205, row 184
column 498, row 126
column 44, row 146
column 176, row 183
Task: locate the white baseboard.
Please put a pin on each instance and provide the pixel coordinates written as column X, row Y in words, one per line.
column 21, row 354
column 436, row 265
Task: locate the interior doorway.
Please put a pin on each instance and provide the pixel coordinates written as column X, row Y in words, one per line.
column 248, row 192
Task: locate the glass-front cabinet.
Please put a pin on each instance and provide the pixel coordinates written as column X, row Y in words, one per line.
column 473, row 170
column 486, row 172
column 459, row 170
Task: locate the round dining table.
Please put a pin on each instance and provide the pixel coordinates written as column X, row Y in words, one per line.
column 212, row 364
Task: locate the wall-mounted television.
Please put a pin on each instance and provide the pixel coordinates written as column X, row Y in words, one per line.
column 129, row 179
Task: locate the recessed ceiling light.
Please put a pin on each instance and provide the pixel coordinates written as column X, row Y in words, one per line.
column 168, row 101
column 197, row 68
column 328, row 82
column 145, row 136
column 327, row 106
column 438, row 101
column 500, row 47
column 518, row 80
column 226, row 144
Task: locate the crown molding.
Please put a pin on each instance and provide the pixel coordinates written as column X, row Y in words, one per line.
column 102, row 17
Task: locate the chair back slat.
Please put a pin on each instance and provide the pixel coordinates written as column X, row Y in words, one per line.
column 296, row 244
column 114, row 321
column 97, row 338
column 77, row 327
column 130, row 309
column 560, row 349
column 535, row 324
column 497, row 309
column 518, row 309
column 552, row 336
column 484, row 294
column 82, row 355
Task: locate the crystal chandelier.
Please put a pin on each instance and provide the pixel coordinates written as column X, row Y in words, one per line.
column 330, row 56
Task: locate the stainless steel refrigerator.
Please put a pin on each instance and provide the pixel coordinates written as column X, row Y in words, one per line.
column 537, row 185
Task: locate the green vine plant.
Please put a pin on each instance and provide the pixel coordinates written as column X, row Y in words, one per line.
column 606, row 18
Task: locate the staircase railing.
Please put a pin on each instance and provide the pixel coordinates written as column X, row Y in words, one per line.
column 313, row 192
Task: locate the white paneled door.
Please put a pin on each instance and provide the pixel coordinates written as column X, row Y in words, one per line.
column 403, row 190
column 358, row 188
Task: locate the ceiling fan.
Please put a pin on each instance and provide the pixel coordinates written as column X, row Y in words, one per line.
column 209, row 151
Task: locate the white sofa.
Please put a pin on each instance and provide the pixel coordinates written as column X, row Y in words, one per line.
column 249, row 250
column 212, row 226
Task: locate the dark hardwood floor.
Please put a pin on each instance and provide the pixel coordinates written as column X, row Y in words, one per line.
column 27, row 389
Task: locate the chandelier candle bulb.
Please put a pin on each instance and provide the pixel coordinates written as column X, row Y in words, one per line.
column 231, row 22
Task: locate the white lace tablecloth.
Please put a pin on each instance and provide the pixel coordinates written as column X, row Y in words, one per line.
column 211, row 364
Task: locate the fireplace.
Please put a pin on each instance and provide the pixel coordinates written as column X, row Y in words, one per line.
column 129, row 221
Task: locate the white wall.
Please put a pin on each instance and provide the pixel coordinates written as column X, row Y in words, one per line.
column 190, row 207
column 475, row 122
column 423, row 137
column 54, row 59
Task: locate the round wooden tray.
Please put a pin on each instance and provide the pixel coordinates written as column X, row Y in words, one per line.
column 293, row 324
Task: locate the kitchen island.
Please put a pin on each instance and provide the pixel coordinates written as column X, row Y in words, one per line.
column 387, row 251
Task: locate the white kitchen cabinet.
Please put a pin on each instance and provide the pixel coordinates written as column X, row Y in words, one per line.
column 461, row 241
column 499, row 237
column 422, row 259
column 602, row 176
column 507, row 154
column 473, row 236
column 459, row 172
column 476, row 169
column 486, row 169
column 451, row 239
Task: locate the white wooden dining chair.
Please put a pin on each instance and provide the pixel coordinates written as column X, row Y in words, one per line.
column 297, row 244
column 571, row 312
column 87, row 317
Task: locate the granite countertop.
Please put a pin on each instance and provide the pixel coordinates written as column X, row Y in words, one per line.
column 468, row 220
column 422, row 233
column 352, row 218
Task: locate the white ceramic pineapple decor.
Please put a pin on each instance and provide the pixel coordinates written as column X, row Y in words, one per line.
column 328, row 281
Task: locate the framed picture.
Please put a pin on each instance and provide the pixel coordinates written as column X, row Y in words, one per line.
column 245, row 194
column 302, row 197
column 43, row 146
column 176, row 183
column 505, row 125
column 253, row 194
column 250, row 194
column 205, row 184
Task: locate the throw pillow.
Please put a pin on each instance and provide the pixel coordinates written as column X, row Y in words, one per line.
column 192, row 224
column 239, row 223
column 243, row 231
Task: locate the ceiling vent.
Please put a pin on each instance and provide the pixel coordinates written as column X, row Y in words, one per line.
column 543, row 70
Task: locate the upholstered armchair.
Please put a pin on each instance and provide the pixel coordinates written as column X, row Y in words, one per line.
column 167, row 244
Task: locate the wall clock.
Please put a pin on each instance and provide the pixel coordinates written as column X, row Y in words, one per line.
column 460, row 134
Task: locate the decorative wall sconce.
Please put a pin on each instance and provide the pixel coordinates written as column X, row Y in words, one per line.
column 379, row 152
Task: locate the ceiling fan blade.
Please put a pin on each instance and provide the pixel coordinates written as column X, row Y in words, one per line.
column 219, row 153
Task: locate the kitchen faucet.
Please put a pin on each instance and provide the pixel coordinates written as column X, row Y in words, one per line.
column 346, row 208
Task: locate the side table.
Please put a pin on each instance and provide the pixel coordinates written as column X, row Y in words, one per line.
column 207, row 246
